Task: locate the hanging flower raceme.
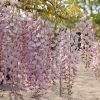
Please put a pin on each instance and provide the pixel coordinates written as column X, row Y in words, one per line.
column 11, row 50
column 66, row 56
column 36, row 53
column 87, row 38
column 26, row 52
column 95, row 62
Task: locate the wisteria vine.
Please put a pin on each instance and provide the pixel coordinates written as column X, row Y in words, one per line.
column 33, row 57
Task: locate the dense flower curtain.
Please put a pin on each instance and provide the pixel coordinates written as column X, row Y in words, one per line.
column 33, row 56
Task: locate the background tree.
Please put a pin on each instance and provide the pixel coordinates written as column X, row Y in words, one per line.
column 90, row 7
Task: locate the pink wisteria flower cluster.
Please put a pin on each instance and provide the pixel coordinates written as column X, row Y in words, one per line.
column 87, row 38
column 25, row 50
column 34, row 57
column 95, row 62
column 66, row 56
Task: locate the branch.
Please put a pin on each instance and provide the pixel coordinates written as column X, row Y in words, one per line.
column 41, row 10
column 98, row 36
